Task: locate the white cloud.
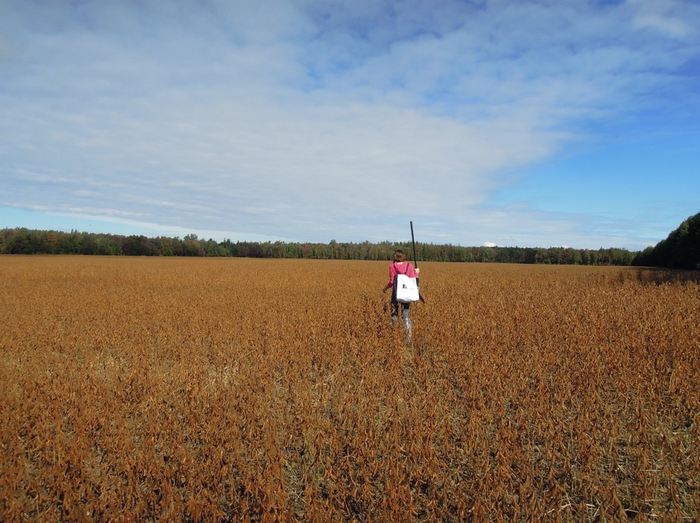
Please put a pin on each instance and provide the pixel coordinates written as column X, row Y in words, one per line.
column 669, row 17
column 300, row 119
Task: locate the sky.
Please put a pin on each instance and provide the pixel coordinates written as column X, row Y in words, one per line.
column 488, row 122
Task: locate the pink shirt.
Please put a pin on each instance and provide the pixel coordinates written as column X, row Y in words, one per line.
column 400, row 268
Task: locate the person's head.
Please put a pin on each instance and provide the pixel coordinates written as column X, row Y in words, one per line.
column 399, row 256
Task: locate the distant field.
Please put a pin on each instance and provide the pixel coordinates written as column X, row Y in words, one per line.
column 166, row 389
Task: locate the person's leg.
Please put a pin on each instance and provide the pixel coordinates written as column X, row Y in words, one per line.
column 394, row 312
column 406, row 321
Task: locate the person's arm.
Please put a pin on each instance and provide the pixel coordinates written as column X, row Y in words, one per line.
column 392, row 275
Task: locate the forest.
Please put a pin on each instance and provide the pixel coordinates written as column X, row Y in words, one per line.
column 28, row 241
column 680, row 250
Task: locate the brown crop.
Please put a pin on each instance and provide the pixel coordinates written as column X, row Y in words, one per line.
column 164, row 389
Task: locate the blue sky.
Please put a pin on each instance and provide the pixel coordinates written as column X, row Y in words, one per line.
column 548, row 123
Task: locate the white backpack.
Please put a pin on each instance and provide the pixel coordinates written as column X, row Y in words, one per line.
column 406, row 288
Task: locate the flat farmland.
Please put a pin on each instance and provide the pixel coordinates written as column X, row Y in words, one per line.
column 170, row 389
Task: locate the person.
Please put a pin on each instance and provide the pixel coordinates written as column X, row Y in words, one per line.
column 400, row 266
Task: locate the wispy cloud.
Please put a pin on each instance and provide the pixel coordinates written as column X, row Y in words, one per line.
column 302, row 120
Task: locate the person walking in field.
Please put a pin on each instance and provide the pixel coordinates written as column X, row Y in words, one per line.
column 400, row 266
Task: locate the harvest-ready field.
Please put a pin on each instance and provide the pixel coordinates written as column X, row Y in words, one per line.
column 232, row 389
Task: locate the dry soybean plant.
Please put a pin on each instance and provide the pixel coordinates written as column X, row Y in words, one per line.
column 277, row 390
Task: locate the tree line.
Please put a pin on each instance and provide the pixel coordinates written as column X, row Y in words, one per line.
column 28, row 241
column 680, row 250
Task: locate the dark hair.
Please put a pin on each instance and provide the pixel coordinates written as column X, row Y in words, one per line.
column 399, row 256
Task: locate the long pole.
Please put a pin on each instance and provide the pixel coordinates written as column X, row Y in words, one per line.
column 415, row 261
column 413, row 241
